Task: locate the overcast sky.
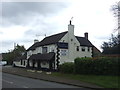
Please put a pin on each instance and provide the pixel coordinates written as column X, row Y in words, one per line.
column 22, row 22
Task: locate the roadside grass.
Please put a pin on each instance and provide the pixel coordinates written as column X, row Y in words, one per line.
column 100, row 80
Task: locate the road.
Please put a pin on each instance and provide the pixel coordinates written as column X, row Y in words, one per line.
column 14, row 81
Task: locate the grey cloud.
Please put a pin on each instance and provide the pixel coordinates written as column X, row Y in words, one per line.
column 11, row 9
column 34, row 15
column 24, row 12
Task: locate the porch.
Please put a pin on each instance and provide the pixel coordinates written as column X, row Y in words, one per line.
column 42, row 61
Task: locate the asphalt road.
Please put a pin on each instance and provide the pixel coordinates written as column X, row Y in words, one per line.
column 14, row 81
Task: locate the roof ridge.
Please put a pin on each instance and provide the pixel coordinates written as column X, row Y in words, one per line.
column 56, row 34
column 79, row 36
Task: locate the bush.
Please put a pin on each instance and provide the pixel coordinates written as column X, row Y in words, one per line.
column 67, row 67
column 98, row 66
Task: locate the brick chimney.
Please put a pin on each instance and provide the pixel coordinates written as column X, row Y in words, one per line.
column 86, row 35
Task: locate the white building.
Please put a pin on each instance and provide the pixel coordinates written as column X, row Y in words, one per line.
column 58, row 49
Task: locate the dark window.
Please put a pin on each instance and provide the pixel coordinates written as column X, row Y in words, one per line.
column 44, row 49
column 77, row 49
column 83, row 48
column 88, row 49
column 21, row 62
column 24, row 62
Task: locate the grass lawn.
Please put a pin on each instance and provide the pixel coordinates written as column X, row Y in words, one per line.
column 100, row 80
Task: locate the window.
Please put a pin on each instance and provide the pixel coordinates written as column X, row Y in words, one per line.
column 88, row 49
column 24, row 62
column 21, row 62
column 77, row 48
column 83, row 48
column 63, row 52
column 44, row 49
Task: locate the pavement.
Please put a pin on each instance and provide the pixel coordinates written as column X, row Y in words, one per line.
column 46, row 76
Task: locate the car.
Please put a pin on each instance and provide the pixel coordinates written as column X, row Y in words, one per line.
column 3, row 63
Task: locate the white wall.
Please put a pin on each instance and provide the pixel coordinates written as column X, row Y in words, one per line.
column 18, row 63
column 30, row 63
column 72, row 53
column 85, row 53
column 29, row 53
column 36, row 64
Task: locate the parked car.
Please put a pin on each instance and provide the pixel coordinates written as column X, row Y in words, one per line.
column 3, row 63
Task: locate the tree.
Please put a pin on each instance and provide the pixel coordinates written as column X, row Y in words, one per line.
column 111, row 47
column 116, row 12
column 11, row 55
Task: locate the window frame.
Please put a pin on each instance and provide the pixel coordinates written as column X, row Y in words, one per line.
column 63, row 52
column 44, row 50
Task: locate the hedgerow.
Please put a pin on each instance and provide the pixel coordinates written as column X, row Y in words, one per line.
column 95, row 66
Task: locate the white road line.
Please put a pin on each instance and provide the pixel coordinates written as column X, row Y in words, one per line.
column 7, row 81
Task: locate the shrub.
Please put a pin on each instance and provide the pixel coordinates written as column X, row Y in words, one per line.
column 99, row 66
column 67, row 67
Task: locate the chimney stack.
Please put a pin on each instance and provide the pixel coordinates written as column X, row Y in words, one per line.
column 35, row 41
column 86, row 35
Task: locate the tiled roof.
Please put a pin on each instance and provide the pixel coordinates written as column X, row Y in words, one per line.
column 47, row 56
column 33, row 46
column 84, row 42
column 48, row 40
column 55, row 38
column 52, row 39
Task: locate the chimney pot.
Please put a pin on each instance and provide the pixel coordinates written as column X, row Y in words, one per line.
column 35, row 41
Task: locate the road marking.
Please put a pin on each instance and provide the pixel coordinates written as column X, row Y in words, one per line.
column 7, row 81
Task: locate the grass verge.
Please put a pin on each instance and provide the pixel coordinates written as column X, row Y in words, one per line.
column 100, row 80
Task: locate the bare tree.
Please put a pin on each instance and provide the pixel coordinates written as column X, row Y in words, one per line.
column 116, row 11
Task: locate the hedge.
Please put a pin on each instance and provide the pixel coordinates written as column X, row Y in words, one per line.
column 98, row 66
column 67, row 67
column 94, row 66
